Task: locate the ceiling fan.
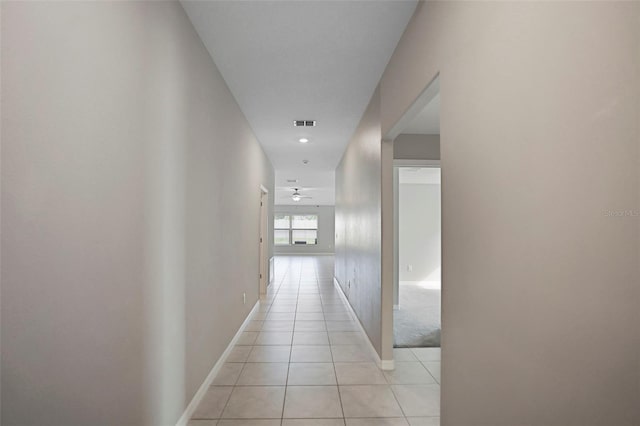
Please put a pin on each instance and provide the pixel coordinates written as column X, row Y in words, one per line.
column 296, row 196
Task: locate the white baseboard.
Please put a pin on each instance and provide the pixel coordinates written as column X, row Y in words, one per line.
column 191, row 408
column 387, row 364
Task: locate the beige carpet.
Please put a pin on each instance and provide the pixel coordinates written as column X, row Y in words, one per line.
column 416, row 323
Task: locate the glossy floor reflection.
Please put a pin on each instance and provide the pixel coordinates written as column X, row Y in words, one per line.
column 303, row 361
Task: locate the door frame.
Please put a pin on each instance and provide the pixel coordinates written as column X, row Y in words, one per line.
column 389, row 244
column 263, row 241
column 397, row 165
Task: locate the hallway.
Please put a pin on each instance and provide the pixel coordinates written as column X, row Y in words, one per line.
column 303, row 356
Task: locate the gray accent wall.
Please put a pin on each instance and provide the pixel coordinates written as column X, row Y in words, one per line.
column 130, row 213
column 326, row 230
column 416, row 147
column 539, row 147
column 358, row 222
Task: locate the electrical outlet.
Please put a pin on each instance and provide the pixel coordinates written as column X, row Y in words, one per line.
column 410, row 268
column 244, row 298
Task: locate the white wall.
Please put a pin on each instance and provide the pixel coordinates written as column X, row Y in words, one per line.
column 416, row 147
column 419, row 232
column 326, row 230
column 539, row 139
column 125, row 247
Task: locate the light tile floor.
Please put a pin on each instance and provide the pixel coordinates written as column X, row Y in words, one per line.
column 303, row 361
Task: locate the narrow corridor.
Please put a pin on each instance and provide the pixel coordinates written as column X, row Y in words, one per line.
column 304, row 361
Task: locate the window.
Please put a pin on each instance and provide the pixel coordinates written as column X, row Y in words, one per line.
column 290, row 229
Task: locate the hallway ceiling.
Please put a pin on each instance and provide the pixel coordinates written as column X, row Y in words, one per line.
column 302, row 60
column 318, row 184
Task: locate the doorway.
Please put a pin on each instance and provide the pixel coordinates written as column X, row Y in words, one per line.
column 412, row 319
column 264, row 240
column 417, row 251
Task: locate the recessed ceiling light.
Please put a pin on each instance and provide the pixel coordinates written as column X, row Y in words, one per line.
column 305, row 161
column 303, row 140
